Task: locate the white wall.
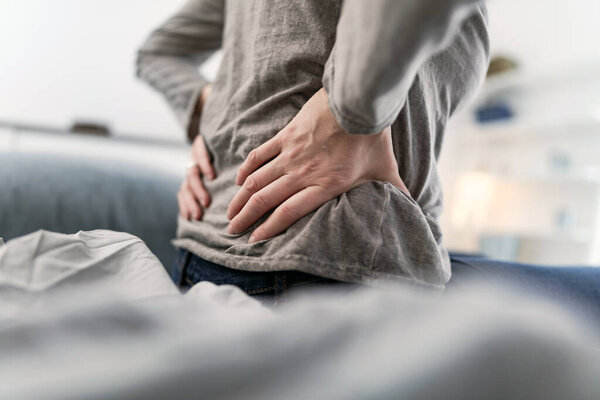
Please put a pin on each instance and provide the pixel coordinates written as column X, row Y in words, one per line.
column 546, row 35
column 66, row 59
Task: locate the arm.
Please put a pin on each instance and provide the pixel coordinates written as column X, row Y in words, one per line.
column 380, row 46
column 169, row 62
column 317, row 156
column 170, row 58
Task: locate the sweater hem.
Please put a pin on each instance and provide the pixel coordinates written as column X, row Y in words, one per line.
column 337, row 271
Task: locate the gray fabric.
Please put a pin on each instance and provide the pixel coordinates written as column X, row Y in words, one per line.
column 66, row 194
column 35, row 267
column 94, row 316
column 382, row 45
column 275, row 57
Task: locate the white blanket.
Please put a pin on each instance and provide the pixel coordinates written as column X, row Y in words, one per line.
column 94, row 316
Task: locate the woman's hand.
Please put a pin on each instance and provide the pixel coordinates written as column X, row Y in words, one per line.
column 309, row 162
column 193, row 196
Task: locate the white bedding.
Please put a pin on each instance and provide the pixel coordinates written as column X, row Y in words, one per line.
column 94, row 316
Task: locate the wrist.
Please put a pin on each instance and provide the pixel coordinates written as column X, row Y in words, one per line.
column 194, row 124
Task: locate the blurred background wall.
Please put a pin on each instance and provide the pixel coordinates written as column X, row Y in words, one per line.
column 520, row 165
column 64, row 60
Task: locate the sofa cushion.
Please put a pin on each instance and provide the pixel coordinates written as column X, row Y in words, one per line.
column 68, row 194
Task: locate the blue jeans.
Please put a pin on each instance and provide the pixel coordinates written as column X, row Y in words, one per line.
column 265, row 286
column 578, row 287
column 575, row 287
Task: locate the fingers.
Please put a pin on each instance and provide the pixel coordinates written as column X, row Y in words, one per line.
column 192, row 190
column 197, row 187
column 258, row 157
column 202, row 157
column 252, row 184
column 261, row 202
column 183, row 210
column 290, row 211
column 188, row 206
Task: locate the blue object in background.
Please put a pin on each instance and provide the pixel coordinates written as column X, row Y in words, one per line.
column 492, row 112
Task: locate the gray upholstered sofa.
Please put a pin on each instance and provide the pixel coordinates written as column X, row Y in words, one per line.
column 67, row 194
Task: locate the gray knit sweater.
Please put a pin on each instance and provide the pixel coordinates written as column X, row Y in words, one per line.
column 404, row 63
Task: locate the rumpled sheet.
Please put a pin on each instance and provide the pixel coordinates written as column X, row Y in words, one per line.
column 94, row 316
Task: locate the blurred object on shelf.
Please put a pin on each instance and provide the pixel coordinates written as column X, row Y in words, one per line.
column 566, row 219
column 501, row 64
column 497, row 108
column 90, row 127
column 559, row 161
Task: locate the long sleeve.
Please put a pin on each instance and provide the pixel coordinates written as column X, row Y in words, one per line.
column 380, row 46
column 169, row 59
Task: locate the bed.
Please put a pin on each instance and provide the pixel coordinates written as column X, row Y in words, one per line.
column 94, row 315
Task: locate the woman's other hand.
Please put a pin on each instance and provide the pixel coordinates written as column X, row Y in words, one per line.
column 193, row 197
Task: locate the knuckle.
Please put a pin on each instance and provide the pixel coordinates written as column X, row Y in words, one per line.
column 294, row 153
column 251, row 184
column 259, row 201
column 289, row 213
column 335, row 181
column 308, row 168
column 290, row 129
column 194, row 181
column 252, row 157
column 276, row 140
column 191, row 172
column 204, row 161
column 206, row 168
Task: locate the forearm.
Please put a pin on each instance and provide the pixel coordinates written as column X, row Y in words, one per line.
column 380, row 46
column 169, row 59
column 178, row 81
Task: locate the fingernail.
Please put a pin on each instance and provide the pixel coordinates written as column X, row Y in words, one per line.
column 252, row 239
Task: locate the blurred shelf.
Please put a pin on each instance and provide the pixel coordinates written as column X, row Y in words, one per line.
column 519, row 129
column 589, row 177
column 582, row 236
column 541, row 81
column 561, row 103
column 166, row 156
column 17, row 128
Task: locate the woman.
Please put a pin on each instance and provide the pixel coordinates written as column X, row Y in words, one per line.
column 330, row 115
